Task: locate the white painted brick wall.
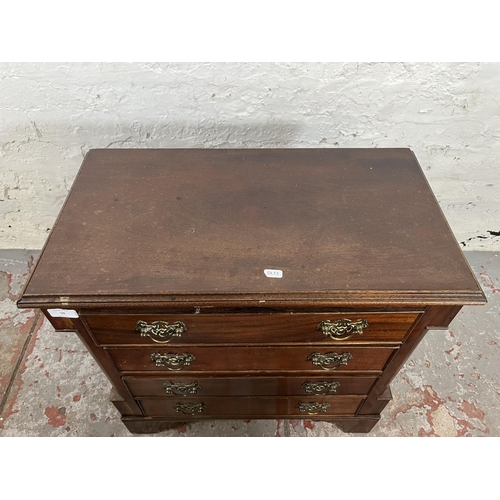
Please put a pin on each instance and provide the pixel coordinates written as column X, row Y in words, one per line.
column 51, row 114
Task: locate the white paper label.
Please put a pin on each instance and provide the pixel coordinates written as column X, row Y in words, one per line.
column 63, row 313
column 273, row 273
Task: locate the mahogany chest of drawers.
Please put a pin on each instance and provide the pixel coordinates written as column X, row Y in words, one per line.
column 271, row 283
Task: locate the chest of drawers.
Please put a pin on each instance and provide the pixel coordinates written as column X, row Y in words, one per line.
column 213, row 284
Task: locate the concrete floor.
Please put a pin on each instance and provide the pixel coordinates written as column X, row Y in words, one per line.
column 51, row 386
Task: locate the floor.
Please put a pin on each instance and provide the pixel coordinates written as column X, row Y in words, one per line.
column 51, row 386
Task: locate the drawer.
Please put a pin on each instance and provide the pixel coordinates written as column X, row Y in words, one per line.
column 285, row 328
column 252, row 359
column 299, row 407
column 173, row 387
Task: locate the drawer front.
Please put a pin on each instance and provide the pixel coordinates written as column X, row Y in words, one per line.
column 285, row 328
column 299, row 407
column 252, row 359
column 173, row 387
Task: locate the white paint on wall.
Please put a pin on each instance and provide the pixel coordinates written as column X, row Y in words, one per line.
column 52, row 114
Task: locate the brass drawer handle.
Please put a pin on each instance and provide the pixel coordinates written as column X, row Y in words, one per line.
column 190, row 408
column 330, row 358
column 172, row 361
column 342, row 329
column 180, row 389
column 161, row 330
column 312, row 408
column 320, row 388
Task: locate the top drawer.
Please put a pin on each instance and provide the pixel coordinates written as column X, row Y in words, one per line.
column 275, row 328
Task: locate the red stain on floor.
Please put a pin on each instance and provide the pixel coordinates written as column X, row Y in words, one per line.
column 308, row 424
column 7, row 413
column 471, row 410
column 424, row 398
column 433, row 406
column 93, row 417
column 278, row 423
column 464, row 428
column 431, row 403
column 488, row 282
column 56, row 418
column 181, row 429
column 4, row 381
column 8, row 276
column 77, row 398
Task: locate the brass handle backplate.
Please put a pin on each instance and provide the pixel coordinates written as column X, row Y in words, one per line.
column 342, row 329
column 312, row 408
column 330, row 360
column 172, row 361
column 160, row 331
column 180, row 389
column 320, row 388
column 190, row 408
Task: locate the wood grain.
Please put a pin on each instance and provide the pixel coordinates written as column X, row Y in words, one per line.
column 176, row 223
column 119, row 329
column 246, row 386
column 251, row 407
column 252, row 359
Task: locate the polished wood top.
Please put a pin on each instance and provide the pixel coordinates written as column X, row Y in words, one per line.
column 345, row 226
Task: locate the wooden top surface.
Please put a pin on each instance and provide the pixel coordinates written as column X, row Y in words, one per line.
column 343, row 225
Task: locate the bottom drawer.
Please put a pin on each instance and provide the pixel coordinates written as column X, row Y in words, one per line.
column 251, row 407
column 173, row 387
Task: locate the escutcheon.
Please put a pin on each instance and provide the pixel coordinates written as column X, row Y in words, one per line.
column 160, row 331
column 172, row 361
column 312, row 408
column 321, row 388
column 342, row 329
column 330, row 360
column 190, row 408
column 180, row 389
